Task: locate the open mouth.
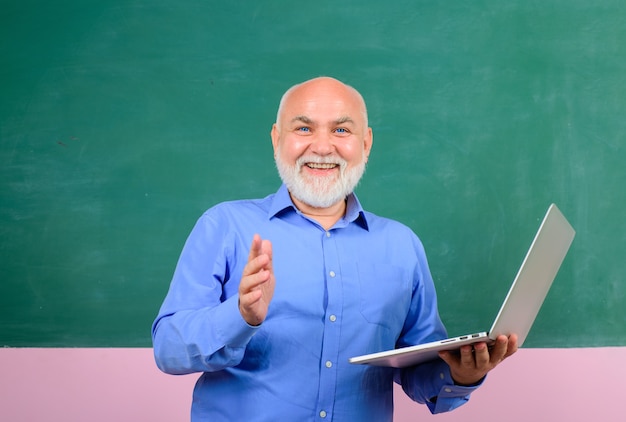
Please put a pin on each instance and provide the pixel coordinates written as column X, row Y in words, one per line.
column 322, row 166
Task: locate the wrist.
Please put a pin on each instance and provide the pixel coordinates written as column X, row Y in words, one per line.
column 468, row 383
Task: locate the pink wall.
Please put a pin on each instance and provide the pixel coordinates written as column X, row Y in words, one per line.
column 99, row 385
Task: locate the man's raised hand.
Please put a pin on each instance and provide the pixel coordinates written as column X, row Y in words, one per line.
column 257, row 282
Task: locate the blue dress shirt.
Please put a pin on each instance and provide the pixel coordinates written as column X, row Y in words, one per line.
column 361, row 287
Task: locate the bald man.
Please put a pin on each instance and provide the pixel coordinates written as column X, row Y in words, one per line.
column 272, row 296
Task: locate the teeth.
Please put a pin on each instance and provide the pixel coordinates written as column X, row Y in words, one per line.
column 321, row 165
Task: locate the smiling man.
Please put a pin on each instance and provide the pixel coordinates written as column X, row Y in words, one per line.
column 271, row 297
column 321, row 143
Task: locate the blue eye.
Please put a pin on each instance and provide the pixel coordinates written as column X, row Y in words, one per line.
column 303, row 129
column 341, row 130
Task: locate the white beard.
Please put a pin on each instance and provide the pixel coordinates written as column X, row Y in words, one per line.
column 320, row 192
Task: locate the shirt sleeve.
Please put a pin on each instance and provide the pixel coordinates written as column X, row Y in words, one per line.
column 428, row 383
column 186, row 334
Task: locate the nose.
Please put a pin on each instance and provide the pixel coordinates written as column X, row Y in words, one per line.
column 323, row 144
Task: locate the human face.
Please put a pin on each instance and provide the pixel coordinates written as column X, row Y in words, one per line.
column 321, row 142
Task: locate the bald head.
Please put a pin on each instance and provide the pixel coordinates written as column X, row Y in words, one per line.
column 322, row 85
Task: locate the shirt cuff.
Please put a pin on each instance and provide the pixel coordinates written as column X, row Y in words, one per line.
column 451, row 395
column 237, row 332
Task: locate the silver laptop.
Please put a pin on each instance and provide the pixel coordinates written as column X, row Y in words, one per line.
column 520, row 307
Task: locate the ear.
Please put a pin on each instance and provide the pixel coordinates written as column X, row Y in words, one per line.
column 367, row 143
column 275, row 135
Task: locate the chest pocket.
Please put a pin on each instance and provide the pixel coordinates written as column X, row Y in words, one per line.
column 385, row 292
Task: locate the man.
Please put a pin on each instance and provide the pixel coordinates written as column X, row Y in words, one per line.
column 271, row 297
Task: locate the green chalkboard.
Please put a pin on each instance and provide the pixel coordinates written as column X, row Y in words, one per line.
column 122, row 121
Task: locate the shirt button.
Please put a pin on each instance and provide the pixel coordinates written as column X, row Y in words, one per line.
column 332, row 318
column 327, row 234
column 332, row 273
column 322, row 414
column 447, row 390
column 329, row 364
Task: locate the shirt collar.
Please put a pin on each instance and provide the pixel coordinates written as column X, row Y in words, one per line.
column 354, row 211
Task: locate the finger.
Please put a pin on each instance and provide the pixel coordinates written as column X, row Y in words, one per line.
column 467, row 357
column 261, row 262
column 249, row 298
column 481, row 354
column 254, row 280
column 251, row 292
column 266, row 249
column 447, row 357
column 511, row 346
column 255, row 247
column 256, row 259
column 451, row 357
column 498, row 351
